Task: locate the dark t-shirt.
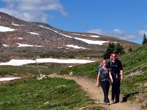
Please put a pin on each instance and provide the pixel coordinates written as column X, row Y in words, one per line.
column 104, row 74
column 115, row 67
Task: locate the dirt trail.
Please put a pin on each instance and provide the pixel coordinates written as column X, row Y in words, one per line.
column 95, row 93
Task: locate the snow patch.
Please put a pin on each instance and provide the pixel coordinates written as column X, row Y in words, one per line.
column 27, row 45
column 20, row 38
column 47, row 28
column 91, row 41
column 9, row 78
column 55, row 31
column 6, row 29
column 5, row 45
column 44, row 27
column 14, row 24
column 81, row 39
column 34, row 33
column 95, row 36
column 65, row 35
column 16, row 62
column 75, row 46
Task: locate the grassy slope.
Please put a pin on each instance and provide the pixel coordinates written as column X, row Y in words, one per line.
column 135, row 63
column 85, row 69
column 132, row 62
column 46, row 94
column 15, row 95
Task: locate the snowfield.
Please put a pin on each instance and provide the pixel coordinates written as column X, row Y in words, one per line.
column 75, row 46
column 55, row 31
column 95, row 36
column 5, row 45
column 14, row 24
column 27, row 45
column 17, row 62
column 93, row 42
column 34, row 33
column 47, row 28
column 20, row 38
column 9, row 78
column 6, row 29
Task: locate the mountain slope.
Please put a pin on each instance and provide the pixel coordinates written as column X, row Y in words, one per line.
column 19, row 33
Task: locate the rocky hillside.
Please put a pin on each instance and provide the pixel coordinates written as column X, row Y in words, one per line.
column 16, row 34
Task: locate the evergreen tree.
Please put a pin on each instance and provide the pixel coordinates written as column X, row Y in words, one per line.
column 118, row 49
column 113, row 48
column 109, row 50
column 144, row 39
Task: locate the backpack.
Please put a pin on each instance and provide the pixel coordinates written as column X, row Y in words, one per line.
column 97, row 70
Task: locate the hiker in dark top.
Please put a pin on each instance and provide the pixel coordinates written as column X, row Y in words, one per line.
column 116, row 70
column 103, row 79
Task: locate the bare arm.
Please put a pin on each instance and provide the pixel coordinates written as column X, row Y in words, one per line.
column 98, row 77
column 121, row 73
column 110, row 77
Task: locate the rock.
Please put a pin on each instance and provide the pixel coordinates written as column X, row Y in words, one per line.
column 41, row 76
column 71, row 73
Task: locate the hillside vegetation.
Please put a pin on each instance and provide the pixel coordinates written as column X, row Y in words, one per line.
column 46, row 94
column 31, row 69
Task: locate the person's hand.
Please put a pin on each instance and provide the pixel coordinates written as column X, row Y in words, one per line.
column 111, row 80
column 97, row 84
column 121, row 77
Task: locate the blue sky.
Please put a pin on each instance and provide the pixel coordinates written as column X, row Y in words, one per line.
column 125, row 19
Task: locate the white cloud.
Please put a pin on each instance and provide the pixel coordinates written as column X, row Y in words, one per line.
column 97, row 31
column 32, row 10
column 142, row 32
column 115, row 33
column 118, row 31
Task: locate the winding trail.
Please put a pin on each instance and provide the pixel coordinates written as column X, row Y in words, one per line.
column 89, row 86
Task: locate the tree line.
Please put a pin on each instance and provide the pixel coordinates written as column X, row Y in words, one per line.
column 118, row 48
column 113, row 48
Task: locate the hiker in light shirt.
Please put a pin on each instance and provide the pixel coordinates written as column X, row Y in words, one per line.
column 103, row 80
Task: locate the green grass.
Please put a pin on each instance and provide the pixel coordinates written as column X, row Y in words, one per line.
column 46, row 94
column 32, row 69
column 86, row 69
column 133, row 62
column 59, row 99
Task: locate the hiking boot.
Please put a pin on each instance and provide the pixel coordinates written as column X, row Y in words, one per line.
column 107, row 103
column 112, row 101
column 116, row 102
